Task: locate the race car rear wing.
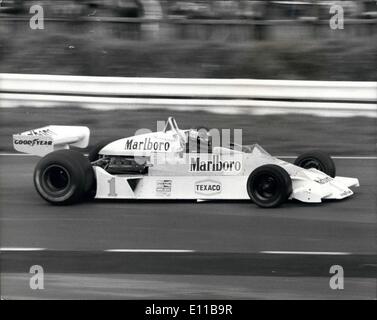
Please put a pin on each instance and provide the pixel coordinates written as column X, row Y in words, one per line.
column 44, row 140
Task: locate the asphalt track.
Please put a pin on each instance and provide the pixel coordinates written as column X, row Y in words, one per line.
column 174, row 249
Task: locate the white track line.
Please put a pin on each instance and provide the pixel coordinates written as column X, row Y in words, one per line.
column 282, row 157
column 326, row 253
column 22, row 249
column 355, row 158
column 150, row 250
column 16, row 155
column 336, row 157
column 308, row 253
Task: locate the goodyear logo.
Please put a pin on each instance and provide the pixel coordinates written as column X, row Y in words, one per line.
column 33, row 142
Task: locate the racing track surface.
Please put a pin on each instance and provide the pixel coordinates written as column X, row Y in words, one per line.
column 224, row 244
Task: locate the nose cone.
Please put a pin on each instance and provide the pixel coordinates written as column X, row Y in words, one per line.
column 314, row 186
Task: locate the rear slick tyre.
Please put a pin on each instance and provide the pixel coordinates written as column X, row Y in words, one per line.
column 64, row 177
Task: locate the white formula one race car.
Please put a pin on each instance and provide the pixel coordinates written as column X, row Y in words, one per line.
column 165, row 165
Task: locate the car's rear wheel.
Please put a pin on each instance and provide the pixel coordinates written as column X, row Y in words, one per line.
column 269, row 186
column 317, row 160
column 63, row 177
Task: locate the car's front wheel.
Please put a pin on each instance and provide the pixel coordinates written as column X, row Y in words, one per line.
column 317, row 160
column 269, row 186
column 64, row 177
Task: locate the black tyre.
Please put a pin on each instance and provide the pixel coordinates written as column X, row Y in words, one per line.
column 318, row 160
column 269, row 186
column 93, row 153
column 64, row 177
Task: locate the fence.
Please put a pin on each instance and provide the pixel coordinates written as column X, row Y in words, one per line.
column 327, row 98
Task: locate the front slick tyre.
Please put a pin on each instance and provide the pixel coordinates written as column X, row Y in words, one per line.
column 317, row 160
column 63, row 177
column 269, row 186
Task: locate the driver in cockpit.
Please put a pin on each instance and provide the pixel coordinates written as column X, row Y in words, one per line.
column 199, row 141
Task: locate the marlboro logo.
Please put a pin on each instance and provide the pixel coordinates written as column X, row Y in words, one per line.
column 147, row 145
column 215, row 164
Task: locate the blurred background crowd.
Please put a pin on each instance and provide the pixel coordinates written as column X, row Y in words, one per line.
column 195, row 9
column 191, row 38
